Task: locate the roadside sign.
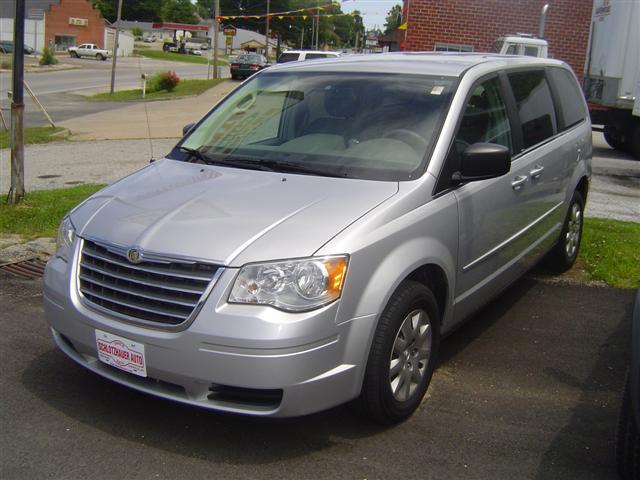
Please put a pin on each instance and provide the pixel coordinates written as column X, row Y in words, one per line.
column 229, row 31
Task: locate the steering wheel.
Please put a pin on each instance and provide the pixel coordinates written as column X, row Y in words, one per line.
column 411, row 138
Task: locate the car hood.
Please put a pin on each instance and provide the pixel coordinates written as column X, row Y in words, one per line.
column 225, row 215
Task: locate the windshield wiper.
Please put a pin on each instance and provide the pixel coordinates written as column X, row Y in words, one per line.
column 276, row 166
column 195, row 153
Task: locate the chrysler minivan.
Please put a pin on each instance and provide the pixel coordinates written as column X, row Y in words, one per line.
column 311, row 240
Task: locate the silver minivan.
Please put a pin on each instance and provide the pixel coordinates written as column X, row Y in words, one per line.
column 313, row 237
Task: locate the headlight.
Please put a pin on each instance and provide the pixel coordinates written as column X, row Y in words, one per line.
column 291, row 285
column 66, row 235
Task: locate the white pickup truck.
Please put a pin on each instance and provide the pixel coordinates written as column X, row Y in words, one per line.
column 89, row 50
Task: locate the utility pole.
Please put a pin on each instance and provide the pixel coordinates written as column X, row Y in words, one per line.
column 216, row 14
column 16, row 192
column 115, row 48
column 318, row 27
column 301, row 38
column 266, row 34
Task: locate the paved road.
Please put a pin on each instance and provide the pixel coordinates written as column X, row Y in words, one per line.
column 529, row 389
column 53, row 88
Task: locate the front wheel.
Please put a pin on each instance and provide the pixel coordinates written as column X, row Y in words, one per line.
column 402, row 356
column 100, row 57
column 563, row 255
column 74, row 55
column 627, row 439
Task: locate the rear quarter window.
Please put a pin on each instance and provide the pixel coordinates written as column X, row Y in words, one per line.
column 535, row 106
column 570, row 97
column 288, row 57
column 312, row 56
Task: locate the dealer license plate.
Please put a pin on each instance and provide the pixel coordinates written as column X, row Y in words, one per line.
column 121, row 353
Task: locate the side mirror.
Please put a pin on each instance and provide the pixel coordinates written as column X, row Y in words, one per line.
column 481, row 161
column 187, row 128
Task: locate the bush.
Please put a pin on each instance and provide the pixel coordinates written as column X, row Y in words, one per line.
column 6, row 62
column 48, row 57
column 137, row 32
column 163, row 81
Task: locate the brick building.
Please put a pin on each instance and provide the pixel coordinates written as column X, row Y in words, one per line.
column 473, row 25
column 73, row 22
column 55, row 23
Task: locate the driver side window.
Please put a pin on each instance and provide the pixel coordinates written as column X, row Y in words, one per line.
column 485, row 120
column 485, row 117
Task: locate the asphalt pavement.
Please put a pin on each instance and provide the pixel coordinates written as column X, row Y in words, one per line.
column 61, row 92
column 529, row 388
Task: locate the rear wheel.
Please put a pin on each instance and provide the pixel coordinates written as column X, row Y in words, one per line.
column 563, row 255
column 613, row 138
column 402, row 356
column 633, row 144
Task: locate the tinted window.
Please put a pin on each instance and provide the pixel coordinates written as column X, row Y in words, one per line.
column 570, row 96
column 531, row 51
column 288, row 57
column 512, row 50
column 311, row 56
column 535, row 106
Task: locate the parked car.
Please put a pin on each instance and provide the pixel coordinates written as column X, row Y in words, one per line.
column 195, row 52
column 170, row 47
column 245, row 65
column 297, row 55
column 6, row 46
column 628, row 434
column 89, row 50
column 315, row 235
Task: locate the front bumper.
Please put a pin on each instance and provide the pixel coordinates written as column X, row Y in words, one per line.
column 282, row 364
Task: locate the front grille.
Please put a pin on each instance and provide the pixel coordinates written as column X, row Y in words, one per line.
column 158, row 291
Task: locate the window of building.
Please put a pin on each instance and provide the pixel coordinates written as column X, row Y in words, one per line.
column 452, row 47
column 570, row 96
column 63, row 42
column 535, row 106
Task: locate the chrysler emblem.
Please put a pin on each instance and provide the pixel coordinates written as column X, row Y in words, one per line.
column 134, row 255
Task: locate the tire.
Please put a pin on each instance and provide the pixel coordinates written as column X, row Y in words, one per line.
column 74, row 55
column 627, row 440
column 99, row 56
column 612, row 139
column 564, row 253
column 386, row 396
column 633, row 144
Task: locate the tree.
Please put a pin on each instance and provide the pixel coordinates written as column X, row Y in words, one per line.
column 394, row 19
column 179, row 11
column 137, row 32
column 140, row 10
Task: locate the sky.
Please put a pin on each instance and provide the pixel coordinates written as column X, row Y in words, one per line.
column 373, row 12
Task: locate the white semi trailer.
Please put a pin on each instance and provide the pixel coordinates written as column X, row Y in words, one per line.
column 612, row 68
column 612, row 72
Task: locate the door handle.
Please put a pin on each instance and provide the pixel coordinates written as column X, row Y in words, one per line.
column 519, row 182
column 536, row 172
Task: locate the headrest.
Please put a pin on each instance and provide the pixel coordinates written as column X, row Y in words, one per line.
column 341, row 101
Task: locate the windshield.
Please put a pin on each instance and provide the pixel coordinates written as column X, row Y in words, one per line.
column 497, row 46
column 354, row 125
column 248, row 59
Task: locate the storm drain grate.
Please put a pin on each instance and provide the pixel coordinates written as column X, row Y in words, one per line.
column 33, row 268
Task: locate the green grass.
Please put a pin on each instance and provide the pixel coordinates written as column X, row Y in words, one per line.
column 33, row 135
column 183, row 89
column 611, row 251
column 175, row 57
column 41, row 211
